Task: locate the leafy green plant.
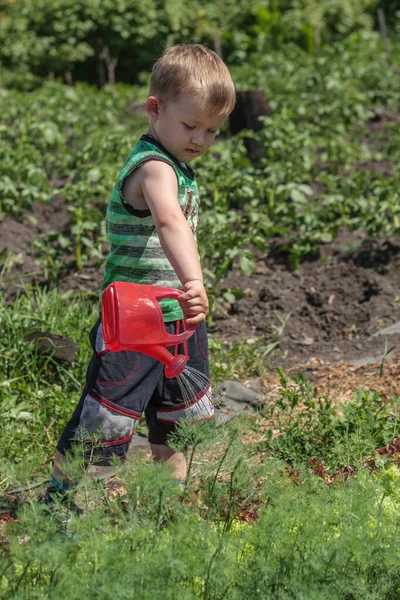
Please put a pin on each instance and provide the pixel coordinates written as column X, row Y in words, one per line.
column 305, row 426
column 298, row 540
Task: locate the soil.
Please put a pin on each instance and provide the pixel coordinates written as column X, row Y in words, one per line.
column 332, row 306
column 17, row 237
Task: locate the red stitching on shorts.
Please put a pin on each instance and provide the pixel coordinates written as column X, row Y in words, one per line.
column 118, row 442
column 187, row 420
column 201, row 348
column 112, row 406
column 199, row 396
column 127, row 378
column 102, row 352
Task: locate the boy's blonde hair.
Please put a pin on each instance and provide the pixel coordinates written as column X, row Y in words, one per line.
column 194, row 68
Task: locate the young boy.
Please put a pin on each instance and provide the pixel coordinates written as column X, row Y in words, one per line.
column 152, row 220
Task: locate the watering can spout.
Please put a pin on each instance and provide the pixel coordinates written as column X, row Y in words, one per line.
column 174, row 365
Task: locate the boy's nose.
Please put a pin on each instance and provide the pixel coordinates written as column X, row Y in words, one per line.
column 198, row 139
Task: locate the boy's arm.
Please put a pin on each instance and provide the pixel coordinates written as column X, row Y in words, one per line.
column 160, row 190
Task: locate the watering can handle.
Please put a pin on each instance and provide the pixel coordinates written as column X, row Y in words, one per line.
column 171, row 293
column 175, row 295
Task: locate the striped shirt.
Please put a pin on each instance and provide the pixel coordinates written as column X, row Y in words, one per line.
column 135, row 250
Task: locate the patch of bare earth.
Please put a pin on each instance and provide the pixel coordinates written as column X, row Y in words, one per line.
column 332, row 306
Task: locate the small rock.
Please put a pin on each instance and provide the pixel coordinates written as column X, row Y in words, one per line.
column 367, row 360
column 391, row 330
column 314, row 298
column 230, row 410
column 101, row 472
column 139, row 445
column 57, row 346
column 139, row 440
column 235, row 390
column 233, row 405
column 248, row 292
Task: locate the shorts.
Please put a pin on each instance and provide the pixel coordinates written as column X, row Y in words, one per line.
column 121, row 386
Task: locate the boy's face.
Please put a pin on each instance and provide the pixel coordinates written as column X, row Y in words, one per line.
column 182, row 127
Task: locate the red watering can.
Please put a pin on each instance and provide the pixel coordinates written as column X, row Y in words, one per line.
column 132, row 320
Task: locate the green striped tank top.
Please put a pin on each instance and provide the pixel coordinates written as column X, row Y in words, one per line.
column 135, row 250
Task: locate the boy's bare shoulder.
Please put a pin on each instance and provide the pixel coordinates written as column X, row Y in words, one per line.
column 157, row 169
column 152, row 169
column 151, row 173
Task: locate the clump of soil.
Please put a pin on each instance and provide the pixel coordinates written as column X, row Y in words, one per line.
column 333, row 306
column 18, row 261
column 17, row 256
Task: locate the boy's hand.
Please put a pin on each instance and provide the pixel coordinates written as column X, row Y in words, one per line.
column 194, row 302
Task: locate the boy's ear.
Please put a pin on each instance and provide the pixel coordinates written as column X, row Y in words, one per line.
column 153, row 107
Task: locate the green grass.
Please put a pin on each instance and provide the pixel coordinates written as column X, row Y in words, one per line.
column 253, row 520
column 38, row 391
column 245, row 528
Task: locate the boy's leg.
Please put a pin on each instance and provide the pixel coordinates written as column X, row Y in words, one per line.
column 57, row 470
column 59, row 490
column 167, row 406
column 118, row 389
column 61, row 486
column 176, row 460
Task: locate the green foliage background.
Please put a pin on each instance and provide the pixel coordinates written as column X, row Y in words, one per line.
column 88, row 39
